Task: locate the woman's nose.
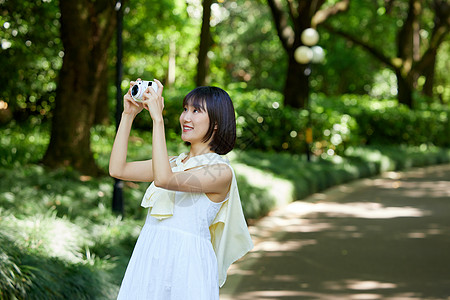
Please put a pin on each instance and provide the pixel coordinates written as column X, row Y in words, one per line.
column 187, row 116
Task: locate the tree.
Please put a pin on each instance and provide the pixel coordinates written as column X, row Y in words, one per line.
column 205, row 44
column 86, row 31
column 290, row 24
column 415, row 54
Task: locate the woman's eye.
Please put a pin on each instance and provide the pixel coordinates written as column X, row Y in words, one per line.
column 195, row 110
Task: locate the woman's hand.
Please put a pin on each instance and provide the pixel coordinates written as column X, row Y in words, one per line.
column 154, row 102
column 130, row 106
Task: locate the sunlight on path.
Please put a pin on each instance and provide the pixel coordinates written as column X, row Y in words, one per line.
column 380, row 238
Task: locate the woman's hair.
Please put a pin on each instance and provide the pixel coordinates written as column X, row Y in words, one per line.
column 221, row 113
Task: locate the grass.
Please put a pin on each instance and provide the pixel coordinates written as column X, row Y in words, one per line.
column 60, row 240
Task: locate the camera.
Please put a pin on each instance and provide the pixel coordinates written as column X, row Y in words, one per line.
column 137, row 91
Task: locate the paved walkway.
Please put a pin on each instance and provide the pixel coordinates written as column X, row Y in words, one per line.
column 381, row 238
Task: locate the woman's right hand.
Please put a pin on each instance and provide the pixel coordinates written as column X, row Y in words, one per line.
column 130, row 106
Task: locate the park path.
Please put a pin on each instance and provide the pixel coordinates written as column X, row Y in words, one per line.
column 386, row 237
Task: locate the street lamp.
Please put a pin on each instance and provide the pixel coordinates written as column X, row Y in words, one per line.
column 117, row 201
column 307, row 54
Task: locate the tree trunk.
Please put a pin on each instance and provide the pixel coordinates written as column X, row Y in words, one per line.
column 291, row 18
column 405, row 90
column 205, row 44
column 296, row 89
column 86, row 31
column 428, row 72
column 102, row 103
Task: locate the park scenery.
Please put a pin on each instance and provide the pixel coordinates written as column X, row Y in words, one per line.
column 326, row 93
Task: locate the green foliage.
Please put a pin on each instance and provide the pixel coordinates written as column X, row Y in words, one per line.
column 152, row 30
column 256, row 201
column 264, row 123
column 357, row 162
column 346, row 69
column 338, row 122
column 30, row 56
column 60, row 240
column 385, row 122
column 350, row 120
column 246, row 53
column 15, row 278
column 442, row 85
column 351, row 69
column 23, row 144
column 42, row 259
column 248, row 50
column 67, row 243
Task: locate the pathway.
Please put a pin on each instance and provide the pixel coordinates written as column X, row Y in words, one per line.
column 381, row 238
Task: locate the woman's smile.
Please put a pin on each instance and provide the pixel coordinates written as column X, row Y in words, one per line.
column 187, row 128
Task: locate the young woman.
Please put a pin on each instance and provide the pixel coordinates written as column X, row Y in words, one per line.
column 195, row 228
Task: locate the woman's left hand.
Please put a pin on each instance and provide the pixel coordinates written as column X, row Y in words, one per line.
column 154, row 102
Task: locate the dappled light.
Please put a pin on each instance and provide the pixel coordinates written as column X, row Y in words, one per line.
column 371, row 239
column 359, row 210
column 272, row 246
column 368, row 285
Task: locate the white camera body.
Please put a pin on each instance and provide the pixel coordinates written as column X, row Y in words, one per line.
column 137, row 91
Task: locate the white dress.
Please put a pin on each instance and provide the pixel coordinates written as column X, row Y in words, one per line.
column 173, row 258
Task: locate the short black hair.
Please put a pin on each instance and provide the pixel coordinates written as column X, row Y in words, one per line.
column 221, row 113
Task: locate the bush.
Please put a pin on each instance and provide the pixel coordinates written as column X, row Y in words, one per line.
column 307, row 178
column 386, row 122
column 338, row 123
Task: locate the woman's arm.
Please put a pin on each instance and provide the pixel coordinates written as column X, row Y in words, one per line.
column 154, row 103
column 209, row 179
column 118, row 166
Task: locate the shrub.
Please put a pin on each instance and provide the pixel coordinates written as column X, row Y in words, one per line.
column 264, row 123
column 387, row 122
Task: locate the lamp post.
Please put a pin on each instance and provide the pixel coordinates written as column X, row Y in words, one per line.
column 117, row 201
column 307, row 54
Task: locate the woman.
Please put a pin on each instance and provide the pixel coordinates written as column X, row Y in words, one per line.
column 195, row 228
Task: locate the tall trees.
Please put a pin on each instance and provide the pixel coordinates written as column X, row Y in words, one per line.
column 417, row 41
column 86, row 31
column 290, row 21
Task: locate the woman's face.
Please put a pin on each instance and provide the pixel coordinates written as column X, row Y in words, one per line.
column 194, row 124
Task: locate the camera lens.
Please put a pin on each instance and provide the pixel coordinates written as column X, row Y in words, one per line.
column 135, row 90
